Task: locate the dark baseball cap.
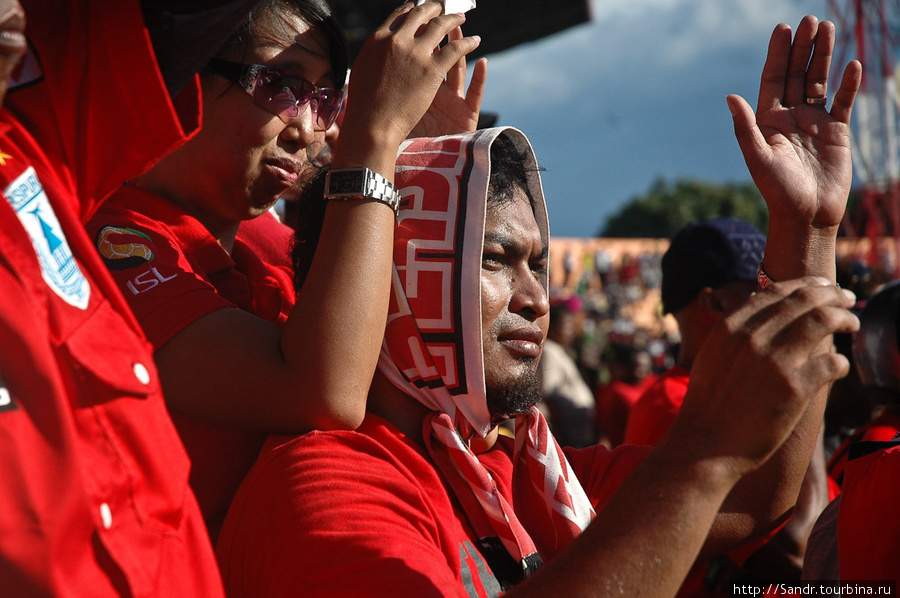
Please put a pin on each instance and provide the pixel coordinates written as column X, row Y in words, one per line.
column 710, row 253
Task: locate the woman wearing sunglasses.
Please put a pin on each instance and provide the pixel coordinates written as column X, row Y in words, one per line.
column 237, row 356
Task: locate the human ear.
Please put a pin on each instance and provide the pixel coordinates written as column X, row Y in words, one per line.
column 710, row 300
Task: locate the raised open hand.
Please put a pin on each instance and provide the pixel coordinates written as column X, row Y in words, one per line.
column 797, row 151
column 454, row 110
column 400, row 69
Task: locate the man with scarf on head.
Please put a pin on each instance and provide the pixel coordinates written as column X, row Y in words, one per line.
column 426, row 499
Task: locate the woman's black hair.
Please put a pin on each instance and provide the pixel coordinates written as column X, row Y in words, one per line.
column 316, row 13
column 305, row 215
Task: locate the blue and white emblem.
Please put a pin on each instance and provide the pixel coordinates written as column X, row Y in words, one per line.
column 58, row 266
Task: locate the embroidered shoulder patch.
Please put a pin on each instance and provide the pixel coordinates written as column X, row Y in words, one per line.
column 123, row 248
column 58, row 266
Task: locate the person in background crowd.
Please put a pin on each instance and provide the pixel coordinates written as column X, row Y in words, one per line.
column 568, row 403
column 630, row 372
column 708, row 271
column 875, row 356
column 868, row 531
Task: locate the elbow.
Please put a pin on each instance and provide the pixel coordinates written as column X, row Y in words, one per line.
column 338, row 416
column 323, row 421
column 332, row 406
column 348, row 419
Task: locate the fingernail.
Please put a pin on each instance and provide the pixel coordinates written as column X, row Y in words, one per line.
column 850, row 295
column 731, row 107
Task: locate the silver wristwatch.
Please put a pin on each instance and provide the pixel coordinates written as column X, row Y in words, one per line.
column 361, row 183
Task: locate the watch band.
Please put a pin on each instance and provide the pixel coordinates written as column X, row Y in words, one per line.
column 361, row 183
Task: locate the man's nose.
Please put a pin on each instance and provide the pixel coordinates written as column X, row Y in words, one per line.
column 529, row 298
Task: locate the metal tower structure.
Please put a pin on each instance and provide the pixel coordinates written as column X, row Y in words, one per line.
column 869, row 30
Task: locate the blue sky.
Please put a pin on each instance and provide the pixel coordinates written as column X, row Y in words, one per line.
column 637, row 94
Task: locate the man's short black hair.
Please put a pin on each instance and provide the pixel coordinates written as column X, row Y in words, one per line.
column 508, row 172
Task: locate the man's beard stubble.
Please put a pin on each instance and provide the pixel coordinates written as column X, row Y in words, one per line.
column 508, row 400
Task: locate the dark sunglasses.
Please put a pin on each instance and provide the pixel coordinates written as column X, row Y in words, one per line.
column 281, row 94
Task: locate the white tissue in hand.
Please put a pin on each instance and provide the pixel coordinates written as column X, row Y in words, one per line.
column 458, row 7
column 453, row 7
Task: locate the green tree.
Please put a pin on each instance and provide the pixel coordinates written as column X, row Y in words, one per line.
column 667, row 207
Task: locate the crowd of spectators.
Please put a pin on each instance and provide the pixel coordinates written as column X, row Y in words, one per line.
column 621, row 338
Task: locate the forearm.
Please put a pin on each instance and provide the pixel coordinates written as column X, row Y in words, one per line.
column 647, row 537
column 781, row 557
column 342, row 306
column 795, row 249
column 333, row 336
column 765, row 498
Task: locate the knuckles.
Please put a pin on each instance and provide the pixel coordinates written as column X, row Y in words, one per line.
column 823, row 317
column 810, row 294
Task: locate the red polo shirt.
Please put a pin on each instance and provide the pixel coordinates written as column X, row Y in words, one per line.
column 173, row 271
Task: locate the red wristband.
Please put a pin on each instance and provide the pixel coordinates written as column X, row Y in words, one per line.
column 762, row 279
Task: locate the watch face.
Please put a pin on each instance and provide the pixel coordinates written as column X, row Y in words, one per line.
column 346, row 182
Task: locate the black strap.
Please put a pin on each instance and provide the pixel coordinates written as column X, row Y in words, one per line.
column 867, row 447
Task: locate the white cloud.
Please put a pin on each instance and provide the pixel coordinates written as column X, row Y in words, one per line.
column 645, row 41
column 637, row 93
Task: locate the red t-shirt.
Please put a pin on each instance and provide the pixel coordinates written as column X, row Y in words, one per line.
column 172, row 271
column 94, row 479
column 365, row 513
column 882, row 428
column 650, row 418
column 655, row 410
column 614, row 404
column 270, row 239
column 868, row 532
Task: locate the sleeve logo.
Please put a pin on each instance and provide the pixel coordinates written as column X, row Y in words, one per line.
column 124, row 248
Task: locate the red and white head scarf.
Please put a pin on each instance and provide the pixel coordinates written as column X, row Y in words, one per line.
column 433, row 346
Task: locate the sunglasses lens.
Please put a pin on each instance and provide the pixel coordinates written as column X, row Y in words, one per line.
column 287, row 97
column 327, row 107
